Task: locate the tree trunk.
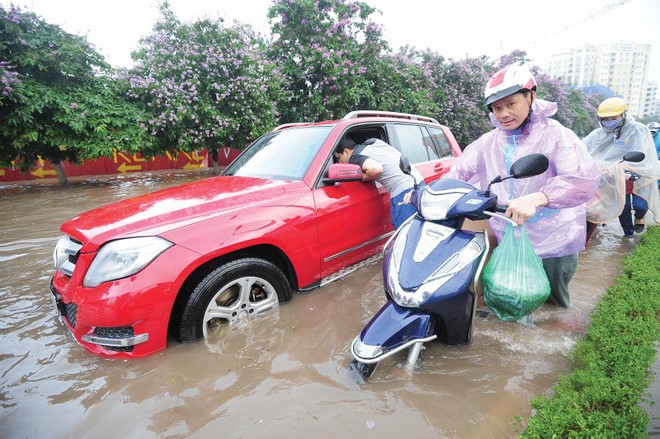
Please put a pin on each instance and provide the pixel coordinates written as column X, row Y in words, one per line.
column 61, row 176
column 214, row 155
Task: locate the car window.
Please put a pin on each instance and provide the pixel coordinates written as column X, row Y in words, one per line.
column 429, row 144
column 363, row 133
column 441, row 142
column 416, row 143
column 280, row 155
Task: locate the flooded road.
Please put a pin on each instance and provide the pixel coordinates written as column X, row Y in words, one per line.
column 281, row 375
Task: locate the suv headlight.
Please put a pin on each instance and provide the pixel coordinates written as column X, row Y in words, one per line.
column 124, row 257
column 64, row 255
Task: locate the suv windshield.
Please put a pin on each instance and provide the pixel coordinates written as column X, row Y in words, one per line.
column 280, row 155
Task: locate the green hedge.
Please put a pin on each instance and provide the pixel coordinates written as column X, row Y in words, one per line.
column 600, row 398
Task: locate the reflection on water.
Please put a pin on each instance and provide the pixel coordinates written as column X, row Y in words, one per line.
column 284, row 374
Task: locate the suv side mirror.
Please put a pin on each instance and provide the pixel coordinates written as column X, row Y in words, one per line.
column 338, row 172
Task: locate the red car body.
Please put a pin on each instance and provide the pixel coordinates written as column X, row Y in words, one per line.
column 308, row 227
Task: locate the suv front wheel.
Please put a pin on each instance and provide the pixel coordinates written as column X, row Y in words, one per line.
column 231, row 292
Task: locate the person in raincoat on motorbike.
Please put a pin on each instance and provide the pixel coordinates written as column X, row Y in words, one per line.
column 551, row 205
column 654, row 127
column 655, row 132
column 619, row 194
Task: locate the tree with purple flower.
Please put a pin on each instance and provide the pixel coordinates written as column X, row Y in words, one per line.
column 329, row 54
column 203, row 84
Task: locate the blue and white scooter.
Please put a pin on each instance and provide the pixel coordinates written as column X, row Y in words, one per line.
column 428, row 266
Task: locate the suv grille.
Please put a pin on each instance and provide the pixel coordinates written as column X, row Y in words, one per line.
column 70, row 312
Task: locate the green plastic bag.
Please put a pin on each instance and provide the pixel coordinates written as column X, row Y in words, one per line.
column 514, row 281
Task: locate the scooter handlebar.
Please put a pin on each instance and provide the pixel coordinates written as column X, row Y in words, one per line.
column 633, row 175
column 502, row 217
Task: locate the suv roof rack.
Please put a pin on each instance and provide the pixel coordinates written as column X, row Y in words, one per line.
column 375, row 113
column 289, row 125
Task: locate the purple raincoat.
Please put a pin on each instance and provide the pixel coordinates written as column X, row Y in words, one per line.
column 559, row 229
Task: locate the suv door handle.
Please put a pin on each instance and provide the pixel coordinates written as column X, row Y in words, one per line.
column 439, row 167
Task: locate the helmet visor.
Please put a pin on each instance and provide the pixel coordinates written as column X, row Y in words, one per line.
column 502, row 94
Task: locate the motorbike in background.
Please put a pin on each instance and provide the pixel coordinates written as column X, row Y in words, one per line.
column 431, row 268
column 608, row 202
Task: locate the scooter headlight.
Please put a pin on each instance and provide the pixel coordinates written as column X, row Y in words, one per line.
column 399, row 245
column 363, row 351
column 434, row 205
column 452, row 266
column 459, row 260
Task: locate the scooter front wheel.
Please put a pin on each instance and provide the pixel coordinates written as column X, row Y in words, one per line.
column 364, row 370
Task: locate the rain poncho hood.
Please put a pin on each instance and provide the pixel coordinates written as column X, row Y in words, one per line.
column 559, row 229
column 608, row 148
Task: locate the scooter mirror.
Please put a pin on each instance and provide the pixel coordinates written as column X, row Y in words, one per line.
column 634, row 156
column 404, row 165
column 406, row 168
column 529, row 166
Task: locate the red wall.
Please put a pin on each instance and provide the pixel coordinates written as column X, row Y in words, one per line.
column 121, row 163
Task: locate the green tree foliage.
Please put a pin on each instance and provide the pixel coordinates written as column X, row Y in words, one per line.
column 400, row 84
column 208, row 85
column 328, row 51
column 648, row 118
column 203, row 84
column 583, row 111
column 458, row 91
column 57, row 101
column 575, row 110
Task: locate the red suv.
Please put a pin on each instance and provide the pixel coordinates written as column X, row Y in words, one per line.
column 283, row 217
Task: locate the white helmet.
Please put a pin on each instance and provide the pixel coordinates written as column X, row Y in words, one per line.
column 508, row 81
column 654, row 127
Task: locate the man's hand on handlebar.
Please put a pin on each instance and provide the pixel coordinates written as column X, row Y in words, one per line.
column 523, row 208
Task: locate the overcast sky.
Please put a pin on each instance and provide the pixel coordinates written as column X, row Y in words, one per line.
column 454, row 29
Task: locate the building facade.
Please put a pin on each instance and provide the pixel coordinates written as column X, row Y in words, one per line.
column 622, row 67
column 652, row 105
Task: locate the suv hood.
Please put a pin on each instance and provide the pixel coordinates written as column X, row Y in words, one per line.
column 168, row 209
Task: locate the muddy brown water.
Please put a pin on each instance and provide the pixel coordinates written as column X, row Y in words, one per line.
column 280, row 375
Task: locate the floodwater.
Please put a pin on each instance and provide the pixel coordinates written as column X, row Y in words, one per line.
column 281, row 375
